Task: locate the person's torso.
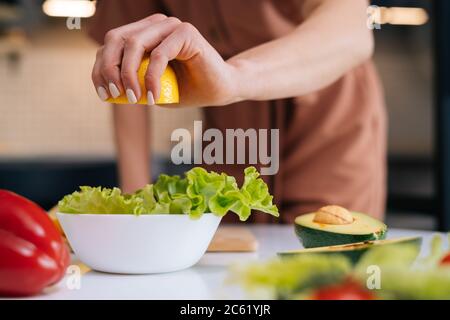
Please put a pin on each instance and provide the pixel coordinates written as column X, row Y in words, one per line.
column 233, row 26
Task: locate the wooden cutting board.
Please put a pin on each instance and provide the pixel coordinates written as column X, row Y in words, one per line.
column 233, row 239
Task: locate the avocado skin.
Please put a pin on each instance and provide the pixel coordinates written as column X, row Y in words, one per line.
column 313, row 238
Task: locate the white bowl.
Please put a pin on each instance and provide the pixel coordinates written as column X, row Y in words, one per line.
column 129, row 244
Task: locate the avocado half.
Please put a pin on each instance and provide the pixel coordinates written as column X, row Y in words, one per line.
column 354, row 251
column 363, row 228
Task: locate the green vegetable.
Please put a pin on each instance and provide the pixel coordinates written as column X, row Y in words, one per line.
column 283, row 279
column 401, row 278
column 402, row 275
column 436, row 253
column 363, row 228
column 355, row 251
column 405, row 284
column 400, row 255
column 99, row 200
column 198, row 193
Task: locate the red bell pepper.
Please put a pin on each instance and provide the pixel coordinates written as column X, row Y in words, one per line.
column 33, row 254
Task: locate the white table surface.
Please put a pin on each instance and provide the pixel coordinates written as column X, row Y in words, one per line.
column 206, row 280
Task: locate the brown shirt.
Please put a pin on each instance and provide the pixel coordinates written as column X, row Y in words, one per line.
column 332, row 142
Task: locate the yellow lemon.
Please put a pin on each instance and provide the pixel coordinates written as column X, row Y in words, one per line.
column 169, row 87
column 52, row 214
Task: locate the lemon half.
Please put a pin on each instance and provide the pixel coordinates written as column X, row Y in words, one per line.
column 169, row 87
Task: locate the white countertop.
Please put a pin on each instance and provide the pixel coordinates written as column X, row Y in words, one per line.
column 206, row 280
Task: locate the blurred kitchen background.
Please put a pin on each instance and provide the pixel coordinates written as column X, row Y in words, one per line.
column 55, row 134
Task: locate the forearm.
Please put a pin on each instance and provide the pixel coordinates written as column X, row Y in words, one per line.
column 132, row 146
column 332, row 40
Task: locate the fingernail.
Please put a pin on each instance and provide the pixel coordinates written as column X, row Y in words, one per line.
column 131, row 96
column 113, row 89
column 150, row 99
column 102, row 93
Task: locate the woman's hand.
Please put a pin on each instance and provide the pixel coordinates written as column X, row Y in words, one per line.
column 332, row 40
column 204, row 78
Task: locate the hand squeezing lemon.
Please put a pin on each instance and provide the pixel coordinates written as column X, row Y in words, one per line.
column 132, row 66
column 169, row 87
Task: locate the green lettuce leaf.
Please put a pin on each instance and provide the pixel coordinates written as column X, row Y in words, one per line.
column 286, row 278
column 253, row 195
column 412, row 284
column 435, row 255
column 258, row 192
column 198, row 193
column 202, row 186
column 170, row 195
column 392, row 256
column 100, row 201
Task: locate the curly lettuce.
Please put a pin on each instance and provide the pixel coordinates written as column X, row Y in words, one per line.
column 197, row 193
column 100, row 200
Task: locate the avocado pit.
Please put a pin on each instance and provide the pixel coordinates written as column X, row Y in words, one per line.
column 334, row 215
